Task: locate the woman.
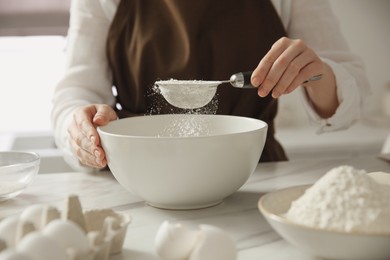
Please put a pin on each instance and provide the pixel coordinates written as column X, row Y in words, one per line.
column 131, row 44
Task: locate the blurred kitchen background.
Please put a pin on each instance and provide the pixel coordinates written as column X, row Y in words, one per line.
column 32, row 41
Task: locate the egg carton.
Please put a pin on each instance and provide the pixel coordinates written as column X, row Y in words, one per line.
column 82, row 234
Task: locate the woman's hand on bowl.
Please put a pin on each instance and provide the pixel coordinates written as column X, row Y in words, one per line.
column 83, row 136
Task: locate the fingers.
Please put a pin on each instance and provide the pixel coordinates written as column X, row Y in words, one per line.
column 104, row 114
column 260, row 73
column 286, row 66
column 304, row 75
column 83, row 136
column 299, row 70
column 92, row 158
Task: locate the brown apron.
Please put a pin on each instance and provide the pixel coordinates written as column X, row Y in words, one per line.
column 153, row 40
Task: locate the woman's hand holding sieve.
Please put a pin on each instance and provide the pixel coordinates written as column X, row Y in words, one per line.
column 288, row 64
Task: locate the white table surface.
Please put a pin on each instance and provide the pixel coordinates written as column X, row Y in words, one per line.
column 238, row 214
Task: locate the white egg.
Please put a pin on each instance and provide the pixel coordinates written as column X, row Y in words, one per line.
column 214, row 243
column 68, row 235
column 8, row 227
column 11, row 254
column 41, row 247
column 34, row 214
column 174, row 241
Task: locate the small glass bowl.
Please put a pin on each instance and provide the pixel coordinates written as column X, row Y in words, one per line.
column 17, row 169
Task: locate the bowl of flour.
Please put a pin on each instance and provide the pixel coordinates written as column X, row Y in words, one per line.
column 344, row 215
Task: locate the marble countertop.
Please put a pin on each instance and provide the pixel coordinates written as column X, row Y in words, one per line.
column 238, row 214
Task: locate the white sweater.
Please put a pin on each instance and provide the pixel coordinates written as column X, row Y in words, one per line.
column 87, row 77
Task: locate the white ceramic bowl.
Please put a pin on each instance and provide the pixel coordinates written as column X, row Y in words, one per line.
column 17, row 169
column 319, row 242
column 183, row 161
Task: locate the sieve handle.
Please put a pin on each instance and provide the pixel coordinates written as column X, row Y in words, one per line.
column 243, row 79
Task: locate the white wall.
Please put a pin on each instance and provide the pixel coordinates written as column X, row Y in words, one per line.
column 366, row 26
column 29, row 70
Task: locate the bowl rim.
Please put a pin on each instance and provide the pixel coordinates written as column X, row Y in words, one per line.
column 35, row 158
column 101, row 130
column 283, row 220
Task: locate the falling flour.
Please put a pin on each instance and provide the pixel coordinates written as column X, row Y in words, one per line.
column 191, row 98
column 186, row 126
column 344, row 199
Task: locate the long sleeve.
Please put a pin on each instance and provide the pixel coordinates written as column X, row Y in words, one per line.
column 87, row 78
column 314, row 22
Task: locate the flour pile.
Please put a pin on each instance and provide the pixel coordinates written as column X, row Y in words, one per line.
column 344, row 199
